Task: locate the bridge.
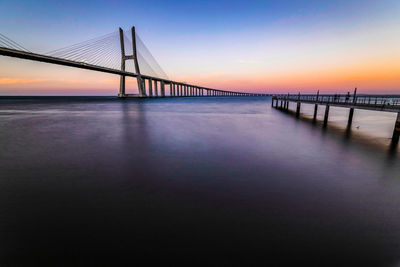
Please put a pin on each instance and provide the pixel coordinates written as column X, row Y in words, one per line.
column 388, row 103
column 112, row 54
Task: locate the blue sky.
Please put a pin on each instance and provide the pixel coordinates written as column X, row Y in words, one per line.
column 225, row 42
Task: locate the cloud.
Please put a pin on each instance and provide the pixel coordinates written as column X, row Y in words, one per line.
column 20, row 80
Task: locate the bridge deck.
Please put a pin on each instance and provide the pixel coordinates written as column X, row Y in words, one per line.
column 82, row 65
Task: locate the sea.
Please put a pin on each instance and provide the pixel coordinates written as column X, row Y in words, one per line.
column 210, row 181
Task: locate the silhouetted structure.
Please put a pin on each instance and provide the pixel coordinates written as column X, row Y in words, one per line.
column 100, row 54
column 388, row 103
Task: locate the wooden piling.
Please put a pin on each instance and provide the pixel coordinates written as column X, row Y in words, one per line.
column 315, row 112
column 396, row 131
column 326, row 115
column 350, row 120
column 298, row 109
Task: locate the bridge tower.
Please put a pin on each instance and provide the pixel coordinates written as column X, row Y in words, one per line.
column 140, row 81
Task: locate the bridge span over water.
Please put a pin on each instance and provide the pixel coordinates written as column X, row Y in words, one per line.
column 112, row 54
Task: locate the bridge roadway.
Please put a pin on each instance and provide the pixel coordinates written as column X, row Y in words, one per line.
column 176, row 88
column 387, row 103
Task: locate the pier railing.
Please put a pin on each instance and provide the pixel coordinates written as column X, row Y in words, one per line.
column 387, row 102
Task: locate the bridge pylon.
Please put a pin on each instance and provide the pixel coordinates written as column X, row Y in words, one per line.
column 124, row 57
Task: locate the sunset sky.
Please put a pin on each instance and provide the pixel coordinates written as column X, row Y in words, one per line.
column 252, row 46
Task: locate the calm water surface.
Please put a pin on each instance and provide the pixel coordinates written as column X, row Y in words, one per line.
column 89, row 181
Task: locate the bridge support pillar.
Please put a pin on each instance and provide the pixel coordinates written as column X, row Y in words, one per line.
column 122, row 86
column 351, row 113
column 315, row 112
column 326, row 115
column 396, row 131
column 155, row 88
column 162, row 89
column 150, row 87
column 298, row 109
column 142, row 87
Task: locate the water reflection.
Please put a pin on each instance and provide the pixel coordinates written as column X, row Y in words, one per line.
column 106, row 181
column 389, row 145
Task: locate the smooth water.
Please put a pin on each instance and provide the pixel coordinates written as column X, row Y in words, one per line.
column 216, row 180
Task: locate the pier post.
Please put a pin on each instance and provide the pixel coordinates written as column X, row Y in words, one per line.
column 315, row 112
column 396, row 131
column 272, row 102
column 326, row 115
column 351, row 113
column 298, row 109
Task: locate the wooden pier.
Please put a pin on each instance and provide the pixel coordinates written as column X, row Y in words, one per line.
column 387, row 103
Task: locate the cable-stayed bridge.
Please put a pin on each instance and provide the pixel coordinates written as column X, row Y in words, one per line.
column 120, row 54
